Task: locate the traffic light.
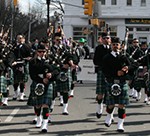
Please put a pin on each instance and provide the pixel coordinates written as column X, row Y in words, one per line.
column 88, row 7
column 15, row 2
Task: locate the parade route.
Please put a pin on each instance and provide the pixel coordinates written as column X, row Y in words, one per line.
column 16, row 119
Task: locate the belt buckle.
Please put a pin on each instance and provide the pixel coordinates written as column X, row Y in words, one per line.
column 116, row 81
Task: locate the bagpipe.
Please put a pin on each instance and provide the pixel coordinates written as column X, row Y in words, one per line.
column 142, row 73
column 59, row 57
column 5, row 45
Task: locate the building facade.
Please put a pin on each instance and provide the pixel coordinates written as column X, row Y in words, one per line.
column 118, row 14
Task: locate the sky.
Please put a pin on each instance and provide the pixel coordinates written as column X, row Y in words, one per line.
column 24, row 4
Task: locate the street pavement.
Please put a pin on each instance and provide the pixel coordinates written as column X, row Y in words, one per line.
column 16, row 119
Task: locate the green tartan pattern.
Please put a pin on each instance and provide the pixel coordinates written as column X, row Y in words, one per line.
column 10, row 79
column 3, row 84
column 64, row 86
column 19, row 76
column 100, row 83
column 46, row 98
column 123, row 98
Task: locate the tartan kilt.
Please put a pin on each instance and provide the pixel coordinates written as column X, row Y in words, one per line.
column 10, row 77
column 123, row 98
column 64, row 86
column 19, row 76
column 46, row 98
column 3, row 84
column 100, row 83
column 138, row 84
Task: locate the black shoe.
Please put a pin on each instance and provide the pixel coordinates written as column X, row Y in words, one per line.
column 107, row 125
column 14, row 98
column 113, row 120
column 81, row 82
column 65, row 113
column 51, row 110
column 49, row 121
column 4, row 104
column 98, row 115
column 61, row 104
column 34, row 121
column 21, row 100
column 44, row 131
column 120, row 130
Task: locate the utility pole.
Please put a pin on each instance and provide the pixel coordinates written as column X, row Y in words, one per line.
column 95, row 21
column 14, row 4
column 48, row 10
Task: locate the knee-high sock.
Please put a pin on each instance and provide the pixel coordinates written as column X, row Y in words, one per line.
column 108, row 110
column 121, row 113
column 45, row 113
column 37, row 111
column 22, row 85
column 16, row 86
column 65, row 97
column 72, row 86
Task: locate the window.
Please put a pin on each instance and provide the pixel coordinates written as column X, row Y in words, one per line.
column 113, row 2
column 130, row 28
column 129, row 2
column 78, row 33
column 143, row 3
column 142, row 29
column 113, row 30
column 102, row 2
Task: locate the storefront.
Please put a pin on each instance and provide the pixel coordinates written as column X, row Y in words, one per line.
column 139, row 28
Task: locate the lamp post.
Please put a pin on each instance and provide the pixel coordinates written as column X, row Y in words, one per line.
column 48, row 9
column 29, row 32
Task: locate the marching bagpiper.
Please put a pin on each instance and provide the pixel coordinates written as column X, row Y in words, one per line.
column 115, row 67
column 63, row 61
column 22, row 53
column 41, row 89
column 134, row 52
column 100, row 51
column 76, row 61
column 3, row 72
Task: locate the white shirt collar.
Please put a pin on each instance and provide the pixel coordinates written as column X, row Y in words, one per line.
column 39, row 58
column 106, row 46
column 114, row 53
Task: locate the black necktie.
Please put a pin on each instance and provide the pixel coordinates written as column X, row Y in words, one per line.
column 117, row 55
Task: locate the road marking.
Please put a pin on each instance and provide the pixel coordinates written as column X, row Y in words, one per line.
column 10, row 117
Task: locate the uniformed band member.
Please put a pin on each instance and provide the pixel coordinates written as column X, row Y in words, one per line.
column 76, row 60
column 142, row 76
column 41, row 89
column 134, row 52
column 3, row 72
column 6, row 62
column 115, row 67
column 21, row 55
column 100, row 51
column 63, row 61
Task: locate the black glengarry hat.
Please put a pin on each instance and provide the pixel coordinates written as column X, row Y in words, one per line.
column 115, row 40
column 105, row 34
column 41, row 47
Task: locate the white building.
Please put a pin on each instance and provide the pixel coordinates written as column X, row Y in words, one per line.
column 118, row 14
